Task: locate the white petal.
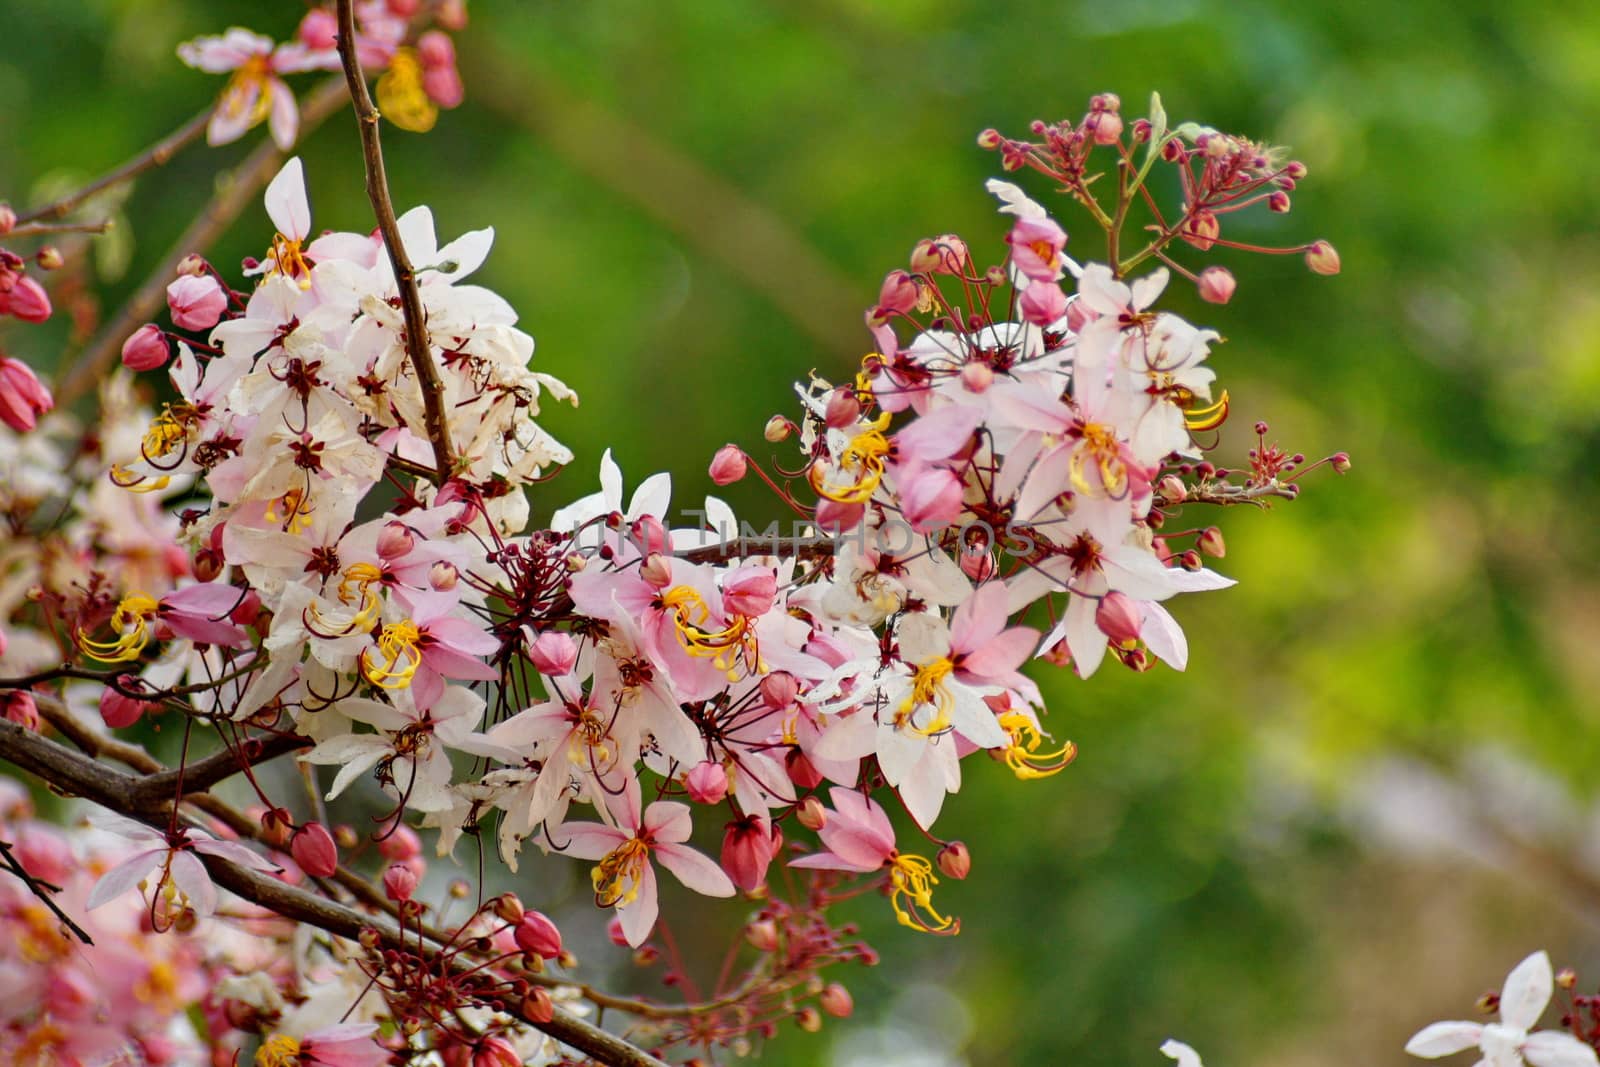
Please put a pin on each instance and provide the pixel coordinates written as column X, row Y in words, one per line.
column 286, row 201
column 1177, row 1050
column 1527, row 991
column 190, row 876
column 1441, row 1039
column 123, row 877
column 1551, row 1048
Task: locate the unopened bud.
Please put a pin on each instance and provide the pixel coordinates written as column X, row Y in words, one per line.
column 808, row 1019
column 843, row 409
column 18, row 706
column 8, row 219
column 762, row 935
column 191, row 265
column 1340, row 462
column 779, row 689
column 778, row 429
column 507, row 908
column 811, row 813
column 1172, row 489
column 120, row 711
column 1117, row 616
column 1322, row 258
column 955, row 861
column 1566, row 978
column 399, row 882
column 395, row 540
column 443, row 576
column 1217, row 285
column 977, row 376
column 48, row 258
column 656, row 570
column 537, row 1007
column 1278, row 202
column 1295, row 170
column 1211, row 543
column 995, row 276
column 836, row 1001
column 553, row 653
column 728, row 465
column 345, row 836
column 538, row 936
column 989, row 139
column 1190, row 561
column 313, row 849
column 146, row 349
column 707, row 782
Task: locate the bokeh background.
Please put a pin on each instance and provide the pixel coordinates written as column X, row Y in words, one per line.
column 1374, row 789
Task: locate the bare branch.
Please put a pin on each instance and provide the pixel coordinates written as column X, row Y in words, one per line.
column 405, row 277
column 42, row 890
column 154, row 156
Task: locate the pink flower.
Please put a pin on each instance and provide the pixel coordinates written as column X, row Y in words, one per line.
column 344, row 1045
column 196, row 301
column 930, row 498
column 22, row 398
column 624, row 878
column 728, row 465
column 255, row 92
column 707, row 782
column 748, row 846
column 553, row 653
column 440, row 79
column 1036, row 246
column 537, row 935
column 174, row 856
column 313, row 849
column 1042, row 303
column 146, row 349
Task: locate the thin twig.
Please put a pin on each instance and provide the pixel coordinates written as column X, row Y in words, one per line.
column 41, row 890
column 44, row 229
column 405, row 277
column 154, row 156
column 234, row 193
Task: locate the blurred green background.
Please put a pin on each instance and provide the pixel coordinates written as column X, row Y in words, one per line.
column 1373, row 791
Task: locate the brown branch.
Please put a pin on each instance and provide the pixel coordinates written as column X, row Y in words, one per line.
column 405, row 277
column 43, row 229
column 235, row 192
column 42, row 890
column 154, row 156
column 73, row 774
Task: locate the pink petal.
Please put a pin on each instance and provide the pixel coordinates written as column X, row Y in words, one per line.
column 286, row 201
column 190, row 876
column 283, row 118
column 639, row 917
column 667, row 821
column 587, row 840
column 695, row 870
column 123, row 877
column 1442, row 1039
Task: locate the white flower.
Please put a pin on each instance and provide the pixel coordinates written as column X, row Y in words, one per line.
column 1177, row 1050
column 1507, row 1043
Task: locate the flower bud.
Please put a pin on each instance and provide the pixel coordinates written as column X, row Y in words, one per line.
column 648, row 535
column 707, row 782
column 1566, row 978
column 395, row 540
column 192, row 265
column 1106, row 126
column 27, row 300
column 8, row 219
column 1117, row 616
column 553, row 653
column 779, row 689
column 977, row 376
column 507, row 908
column 811, row 814
column 313, row 849
column 146, row 349
column 750, row 591
column 49, row 258
column 1278, row 202
column 1201, row 230
column 399, row 882
column 762, row 935
column 898, row 294
column 656, row 570
column 1211, row 543
column 18, row 706
column 1321, row 258
column 1340, row 462
column 1217, row 285
column 537, row 1007
column 728, row 465
column 196, row 301
column 615, row 934
column 777, row 429
column 435, row 49
column 748, row 845
column 1043, row 302
column 801, row 770
column 843, row 409
column 808, row 1019
column 443, row 576
column 537, row 935
column 836, row 1001
column 23, row 398
column 120, row 711
column 401, row 845
column 979, row 566
column 1172, row 489
column 955, row 861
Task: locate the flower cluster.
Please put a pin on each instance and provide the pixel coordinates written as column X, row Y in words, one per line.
column 323, row 538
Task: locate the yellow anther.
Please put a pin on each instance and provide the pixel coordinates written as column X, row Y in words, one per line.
column 617, row 876
column 911, row 882
column 166, row 432
column 1099, row 446
column 399, row 643
column 279, row 1050
column 289, row 260
column 1207, row 418
column 1023, row 755
column 401, row 96
column 731, row 649
column 928, row 689
column 247, row 89
column 131, row 621
column 295, row 507
column 123, row 478
column 862, row 461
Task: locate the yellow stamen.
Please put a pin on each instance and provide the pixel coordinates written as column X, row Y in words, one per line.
column 928, row 688
column 911, row 881
column 1023, row 755
column 247, row 89
column 296, row 507
column 166, row 432
column 863, row 459
column 279, row 1050
column 1207, row 418
column 399, row 644
column 401, row 96
column 1099, row 446
column 732, row 649
column 616, row 878
column 132, row 621
column 289, row 260
column 123, row 478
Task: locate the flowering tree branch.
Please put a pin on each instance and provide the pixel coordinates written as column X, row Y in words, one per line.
column 405, row 277
column 155, row 156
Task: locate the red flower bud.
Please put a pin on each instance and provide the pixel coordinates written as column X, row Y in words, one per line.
column 707, row 783
column 836, row 1001
column 120, row 711
column 537, row 1007
column 313, row 849
column 1211, row 543
column 395, row 540
column 18, row 706
column 843, row 408
column 553, row 653
column 728, row 465
column 1117, row 616
column 1217, row 285
column 399, row 882
column 538, row 936
column 146, row 349
column 27, row 300
column 748, row 846
column 955, row 860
